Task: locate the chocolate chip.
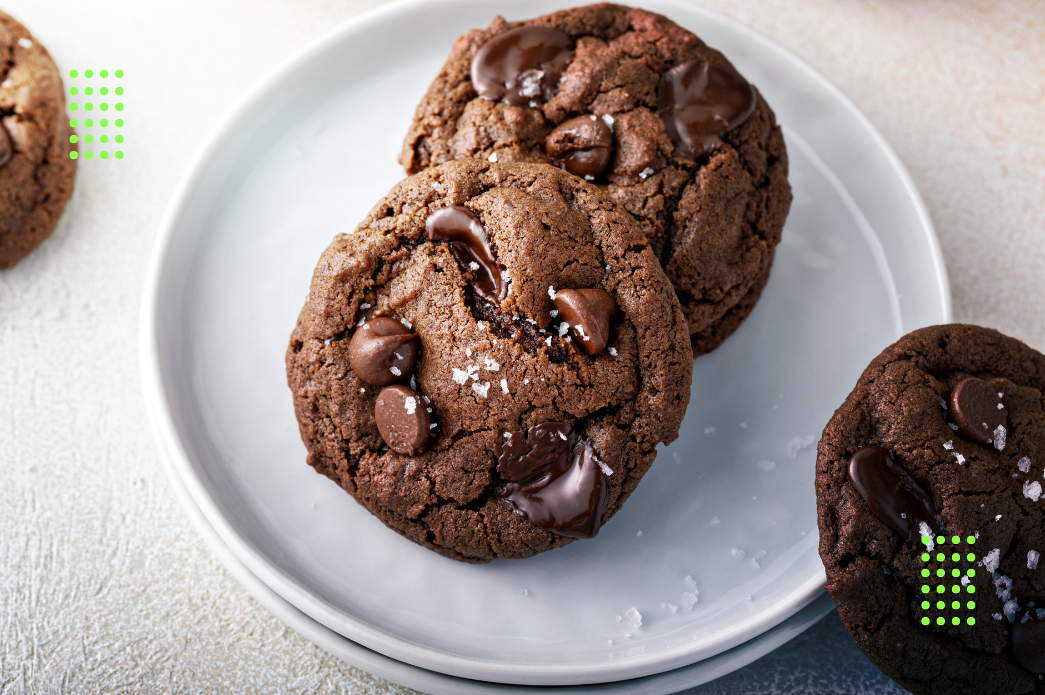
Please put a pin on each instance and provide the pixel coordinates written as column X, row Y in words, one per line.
column 558, row 482
column 975, row 408
column 7, row 149
column 470, row 243
column 892, row 493
column 589, row 313
column 382, row 351
column 581, row 146
column 521, row 66
column 1028, row 641
column 402, row 419
column 699, row 101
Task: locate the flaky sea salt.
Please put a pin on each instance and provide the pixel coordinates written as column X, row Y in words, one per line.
column 737, row 553
column 991, row 562
column 613, row 352
column 460, row 376
column 1032, row 559
column 759, row 557
column 965, row 580
column 952, row 426
column 633, row 618
column 923, row 528
column 481, row 390
column 1009, row 609
column 1002, row 586
column 608, row 120
column 949, row 444
column 25, row 43
column 504, row 386
column 473, row 266
column 437, row 186
column 1024, row 464
column 999, row 438
column 607, row 471
column 473, row 372
column 493, row 157
column 646, row 173
column 670, row 606
column 1032, row 491
column 491, row 365
column 395, row 370
column 998, row 518
column 364, row 305
column 551, row 293
column 563, row 327
column 797, row 444
column 959, row 457
column 410, row 404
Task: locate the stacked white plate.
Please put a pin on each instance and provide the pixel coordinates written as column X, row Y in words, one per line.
column 715, row 551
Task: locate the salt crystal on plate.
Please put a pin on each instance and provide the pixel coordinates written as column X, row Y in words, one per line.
column 797, row 444
column 633, row 617
column 737, row 553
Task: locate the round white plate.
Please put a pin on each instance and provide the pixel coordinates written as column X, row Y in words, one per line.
column 729, row 505
column 440, row 684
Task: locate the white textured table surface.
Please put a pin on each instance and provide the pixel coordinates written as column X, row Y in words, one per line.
column 104, row 585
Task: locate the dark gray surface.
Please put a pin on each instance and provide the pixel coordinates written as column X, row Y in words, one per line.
column 822, row 660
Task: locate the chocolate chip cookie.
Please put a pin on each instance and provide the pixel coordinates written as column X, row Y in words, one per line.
column 636, row 104
column 489, row 362
column 931, row 513
column 36, row 173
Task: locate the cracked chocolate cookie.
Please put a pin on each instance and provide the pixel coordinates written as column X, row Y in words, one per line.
column 641, row 107
column 931, row 514
column 489, row 362
column 36, row 173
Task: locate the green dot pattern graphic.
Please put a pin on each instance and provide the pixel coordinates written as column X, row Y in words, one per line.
column 97, row 139
column 944, row 611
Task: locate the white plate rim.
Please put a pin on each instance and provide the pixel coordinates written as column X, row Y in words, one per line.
column 357, row 631
column 436, row 683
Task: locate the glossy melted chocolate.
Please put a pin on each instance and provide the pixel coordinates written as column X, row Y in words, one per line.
column 470, row 243
column 699, row 101
column 556, row 481
column 892, row 493
column 522, row 66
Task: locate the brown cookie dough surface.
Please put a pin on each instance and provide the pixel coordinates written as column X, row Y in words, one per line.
column 713, row 220
column 36, row 173
column 923, row 403
column 502, row 374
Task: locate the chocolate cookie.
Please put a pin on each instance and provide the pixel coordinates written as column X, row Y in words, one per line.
column 644, row 109
column 489, row 362
column 931, row 514
column 36, row 173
